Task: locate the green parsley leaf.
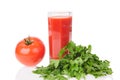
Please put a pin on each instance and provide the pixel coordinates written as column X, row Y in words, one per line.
column 77, row 63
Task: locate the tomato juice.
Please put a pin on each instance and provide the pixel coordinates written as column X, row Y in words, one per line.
column 60, row 32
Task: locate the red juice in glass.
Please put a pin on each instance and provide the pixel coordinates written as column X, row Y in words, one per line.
column 60, row 31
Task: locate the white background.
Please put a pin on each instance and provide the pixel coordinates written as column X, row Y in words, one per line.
column 95, row 22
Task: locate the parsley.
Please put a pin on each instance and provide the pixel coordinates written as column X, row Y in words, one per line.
column 77, row 63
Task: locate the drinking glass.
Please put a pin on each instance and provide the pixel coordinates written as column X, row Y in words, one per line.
column 60, row 31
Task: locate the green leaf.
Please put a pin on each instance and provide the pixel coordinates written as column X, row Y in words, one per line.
column 78, row 63
column 62, row 51
column 55, row 63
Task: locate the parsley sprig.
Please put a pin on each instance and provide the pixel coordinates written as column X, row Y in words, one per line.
column 77, row 63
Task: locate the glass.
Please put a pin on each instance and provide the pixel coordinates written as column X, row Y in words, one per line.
column 60, row 31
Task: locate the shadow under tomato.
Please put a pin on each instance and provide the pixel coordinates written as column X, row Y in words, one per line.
column 25, row 73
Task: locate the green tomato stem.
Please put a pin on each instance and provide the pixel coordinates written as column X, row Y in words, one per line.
column 28, row 41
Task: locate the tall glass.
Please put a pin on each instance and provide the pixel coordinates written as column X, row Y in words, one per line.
column 60, row 31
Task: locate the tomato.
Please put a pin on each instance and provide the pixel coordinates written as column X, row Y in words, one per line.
column 30, row 51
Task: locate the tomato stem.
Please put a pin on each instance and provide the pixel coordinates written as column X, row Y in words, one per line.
column 28, row 41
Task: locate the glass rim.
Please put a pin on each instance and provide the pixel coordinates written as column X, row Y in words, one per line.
column 59, row 13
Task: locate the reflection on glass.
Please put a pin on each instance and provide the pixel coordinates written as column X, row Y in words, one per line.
column 25, row 73
column 90, row 77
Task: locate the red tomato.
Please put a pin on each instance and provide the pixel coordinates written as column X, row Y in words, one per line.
column 30, row 51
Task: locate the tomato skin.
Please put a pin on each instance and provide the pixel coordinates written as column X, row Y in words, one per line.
column 32, row 54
